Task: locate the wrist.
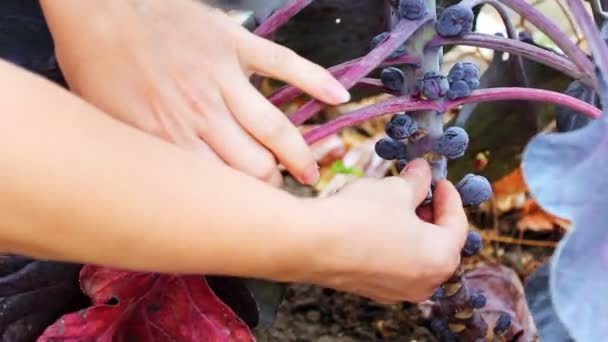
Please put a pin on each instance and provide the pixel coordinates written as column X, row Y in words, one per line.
column 314, row 229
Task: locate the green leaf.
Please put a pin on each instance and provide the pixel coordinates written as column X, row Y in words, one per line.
column 338, row 167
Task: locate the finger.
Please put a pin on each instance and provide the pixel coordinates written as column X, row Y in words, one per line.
column 273, row 129
column 448, row 211
column 238, row 149
column 200, row 148
column 418, row 175
column 273, row 60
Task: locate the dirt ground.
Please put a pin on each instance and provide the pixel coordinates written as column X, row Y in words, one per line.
column 310, row 313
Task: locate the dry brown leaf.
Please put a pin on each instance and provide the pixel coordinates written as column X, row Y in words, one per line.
column 510, row 191
column 533, row 217
column 504, row 292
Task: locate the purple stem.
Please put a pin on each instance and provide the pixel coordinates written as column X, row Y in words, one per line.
column 372, row 83
column 287, row 93
column 594, row 39
column 502, row 11
column 510, row 28
column 517, row 47
column 546, row 25
column 280, row 17
column 405, row 104
column 397, row 37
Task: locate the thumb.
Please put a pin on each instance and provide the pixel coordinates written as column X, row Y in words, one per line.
column 417, row 174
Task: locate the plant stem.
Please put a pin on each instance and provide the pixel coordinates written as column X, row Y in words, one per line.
column 517, row 47
column 398, row 36
column 401, row 104
column 546, row 25
column 510, row 28
column 287, row 93
column 594, row 39
column 280, row 17
column 502, row 11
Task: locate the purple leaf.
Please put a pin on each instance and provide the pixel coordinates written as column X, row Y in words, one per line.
column 130, row 306
column 33, row 294
column 579, row 269
column 566, row 175
column 538, row 296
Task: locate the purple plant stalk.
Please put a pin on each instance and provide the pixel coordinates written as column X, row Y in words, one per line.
column 400, row 33
column 595, row 41
column 546, row 25
column 280, row 17
column 456, row 308
column 287, row 93
column 427, row 119
column 520, row 48
column 407, row 104
column 509, row 27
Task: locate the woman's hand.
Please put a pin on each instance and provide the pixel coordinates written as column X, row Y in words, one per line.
column 385, row 251
column 180, row 70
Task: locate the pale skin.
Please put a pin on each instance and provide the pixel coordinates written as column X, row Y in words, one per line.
column 77, row 184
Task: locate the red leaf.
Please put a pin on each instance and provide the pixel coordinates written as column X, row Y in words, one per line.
column 147, row 307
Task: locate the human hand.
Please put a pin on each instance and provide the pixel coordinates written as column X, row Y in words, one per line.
column 385, row 251
column 180, row 70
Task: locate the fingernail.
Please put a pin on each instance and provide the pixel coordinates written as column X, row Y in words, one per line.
column 311, row 176
column 415, row 168
column 338, row 93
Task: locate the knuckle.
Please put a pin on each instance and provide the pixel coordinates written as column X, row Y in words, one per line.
column 265, row 171
column 280, row 56
column 273, row 130
column 155, row 128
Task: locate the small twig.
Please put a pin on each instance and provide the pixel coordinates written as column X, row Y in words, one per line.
column 510, row 28
column 571, row 22
column 594, row 39
column 522, row 242
column 280, row 17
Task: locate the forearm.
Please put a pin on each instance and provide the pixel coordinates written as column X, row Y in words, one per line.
column 76, row 185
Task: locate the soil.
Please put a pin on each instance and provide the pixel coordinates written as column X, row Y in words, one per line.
column 310, row 313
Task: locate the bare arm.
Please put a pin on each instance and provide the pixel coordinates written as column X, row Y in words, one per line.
column 77, row 185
